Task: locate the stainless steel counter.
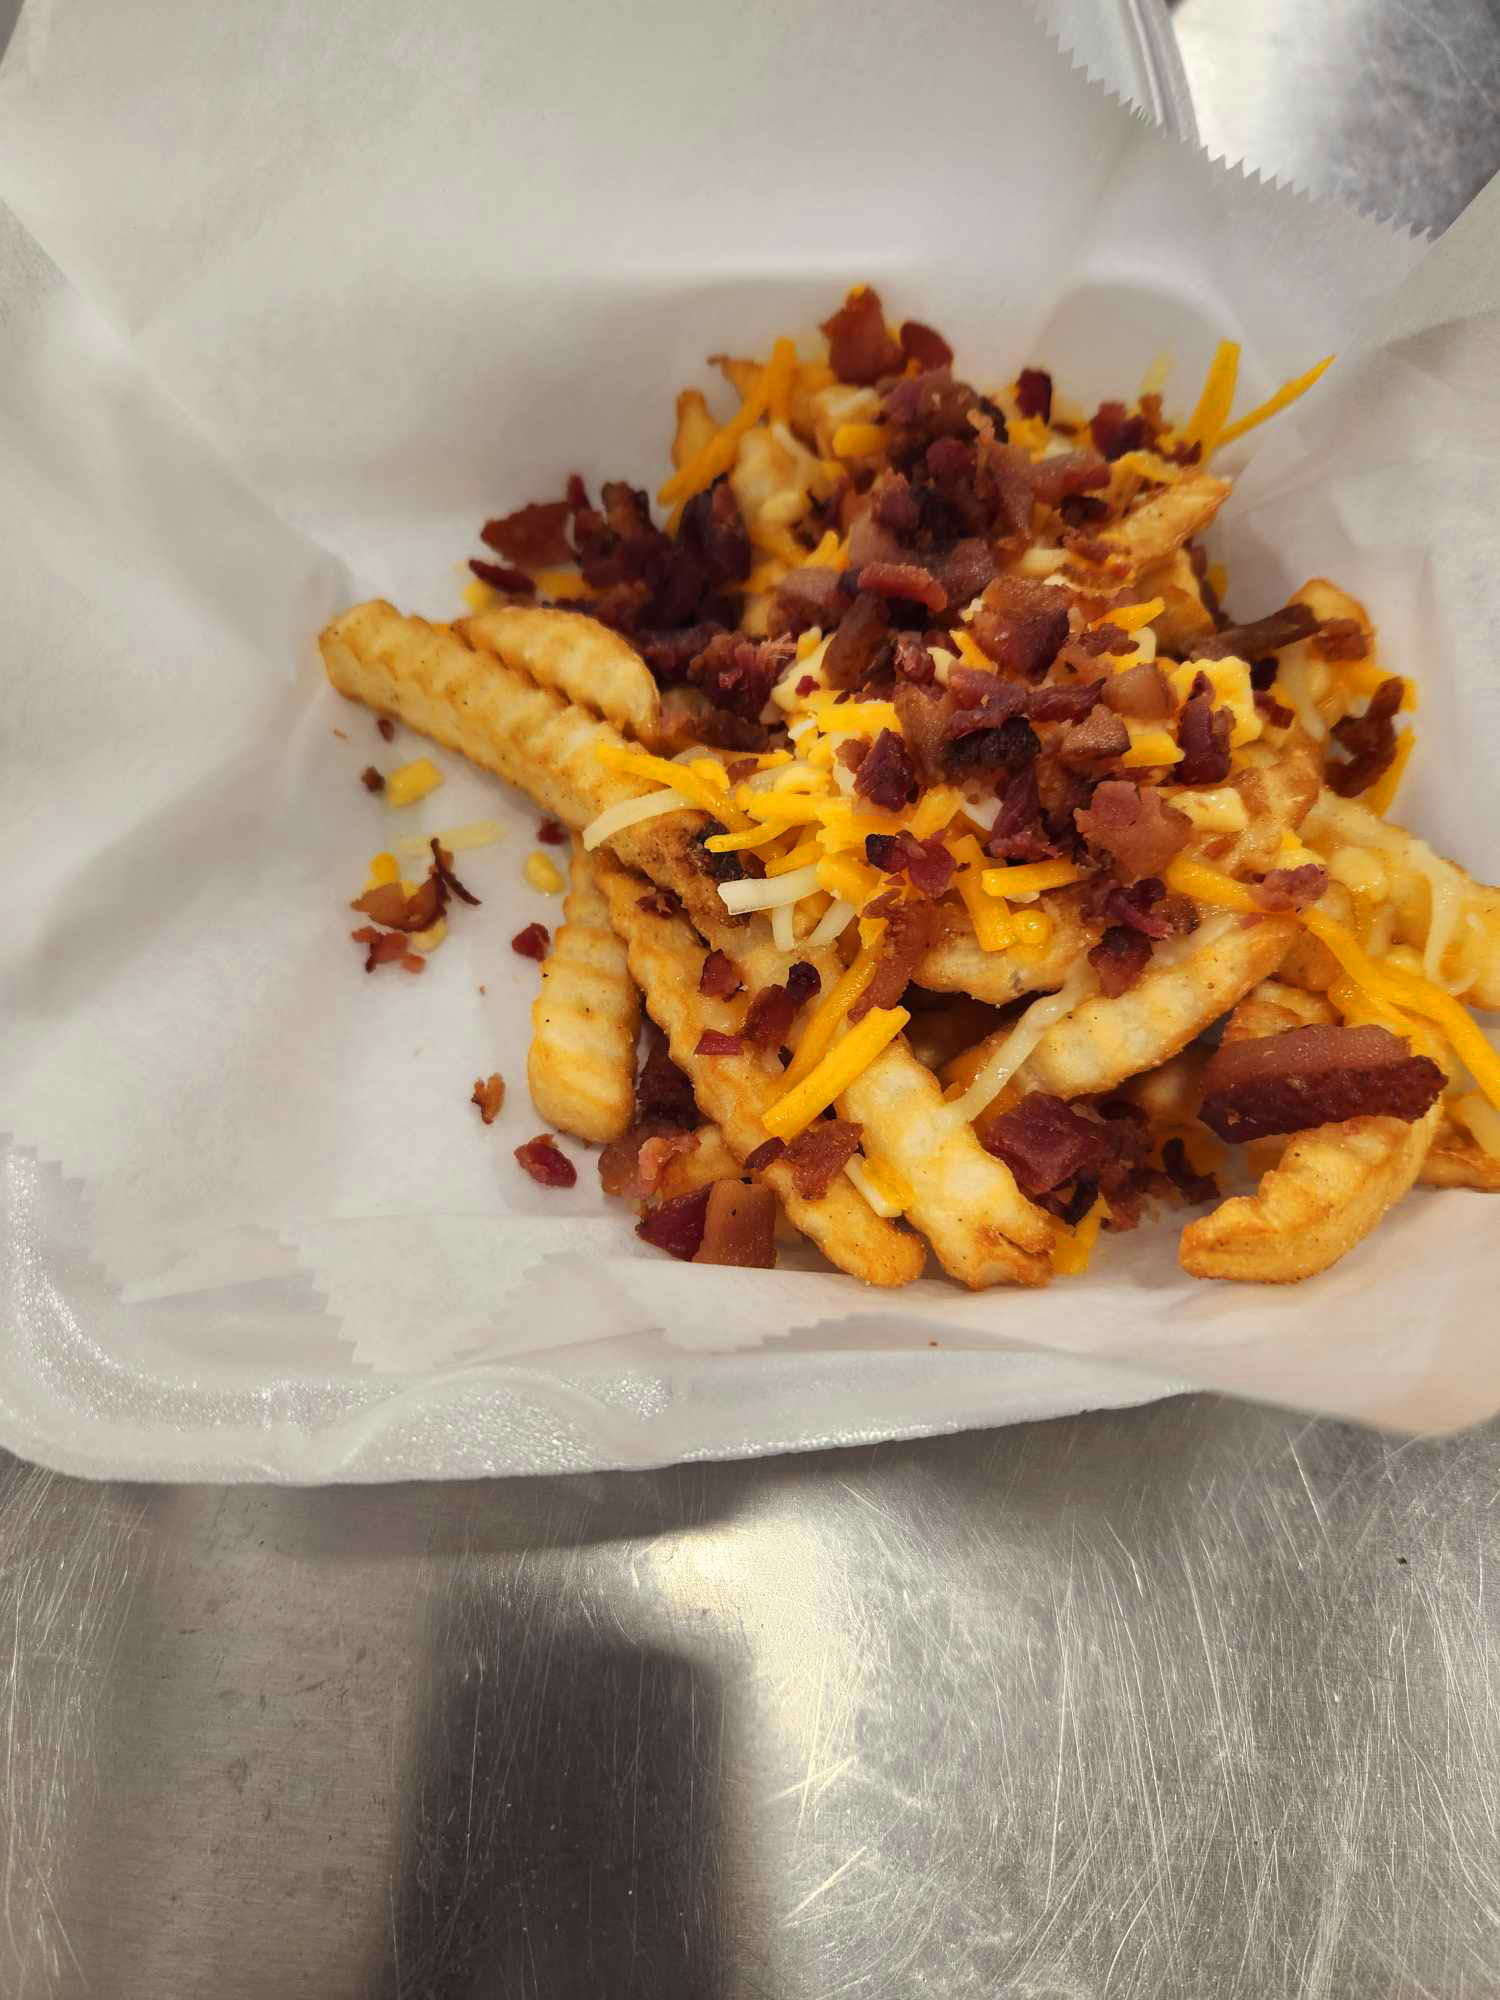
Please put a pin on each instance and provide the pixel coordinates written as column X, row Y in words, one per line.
column 1195, row 1701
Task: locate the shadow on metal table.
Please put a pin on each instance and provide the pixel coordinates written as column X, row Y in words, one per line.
column 1190, row 1700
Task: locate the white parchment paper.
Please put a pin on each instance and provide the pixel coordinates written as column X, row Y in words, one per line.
column 292, row 299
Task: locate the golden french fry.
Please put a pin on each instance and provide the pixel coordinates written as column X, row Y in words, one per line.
column 584, row 1022
column 1172, row 515
column 740, row 373
column 1333, row 1185
column 710, row 1160
column 1272, row 1007
column 965, row 1202
column 958, row 963
column 548, row 748
column 1455, row 1159
column 735, row 1091
column 1171, row 1093
column 695, row 427
column 1279, row 787
column 1185, row 987
column 1186, row 619
column 576, row 657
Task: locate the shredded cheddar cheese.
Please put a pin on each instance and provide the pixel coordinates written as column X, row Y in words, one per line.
column 858, row 440
column 1030, row 879
column 1073, row 1248
column 833, row 1073
column 1287, row 393
column 1212, row 412
column 412, row 782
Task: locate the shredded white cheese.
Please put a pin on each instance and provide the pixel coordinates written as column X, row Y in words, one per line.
column 1007, row 1059
column 630, row 812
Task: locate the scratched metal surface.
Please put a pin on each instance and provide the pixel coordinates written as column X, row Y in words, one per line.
column 1194, row 1702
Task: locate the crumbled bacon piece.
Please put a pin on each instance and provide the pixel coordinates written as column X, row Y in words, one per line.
column 764, row 1155
column 489, row 1095
column 663, row 1095
column 1342, row 639
column 390, row 905
column 676, row 1226
column 1045, row 1142
column 1142, row 692
column 852, row 752
column 371, row 779
column 927, row 864
column 1018, row 833
column 1034, row 394
column 1195, row 1188
column 1064, row 701
column 657, row 1153
column 855, row 646
column 1084, row 510
column 713, row 537
column 1203, row 734
column 1134, row 826
column 912, row 660
column 533, row 942
column 545, row 1163
column 923, row 713
column 1276, row 715
column 386, row 727
column 974, row 689
column 1291, row 888
column 1143, row 906
column 514, row 581
column 1262, row 635
column 803, row 982
column 552, row 833
column 720, row 977
column 769, row 1017
column 739, row 1226
column 385, row 947
column 712, row 1043
column 1021, row 624
column 533, row 536
column 442, row 869
column 1054, row 480
column 859, row 347
column 906, row 580
column 806, row 597
column 660, row 902
column 819, row 1153
column 1369, row 739
column 1119, row 958
column 1101, row 734
column 885, row 776
column 1115, row 432
column 1314, row 1076
column 911, row 928
column 924, row 345
column 738, row 674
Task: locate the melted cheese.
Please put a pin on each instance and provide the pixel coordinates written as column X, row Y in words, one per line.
column 1019, row 1043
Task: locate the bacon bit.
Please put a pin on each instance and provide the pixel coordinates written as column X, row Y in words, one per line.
column 1018, row 833
column 660, row 902
column 739, row 1226
column 386, row 947
column 1101, row 734
column 806, row 685
column 1034, row 394
column 769, row 1017
column 904, row 580
column 911, row 929
column 1314, row 1076
column 1203, row 732
column 852, row 752
column 533, row 536
column 985, row 701
column 811, row 595
column 859, row 348
column 533, row 942
column 442, row 868
column 885, row 776
column 1114, row 432
column 712, row 1043
column 1062, row 701
column 819, row 1153
column 1045, row 1142
column 1011, row 747
column 1277, row 716
column 1071, row 1209
column 545, row 1163
column 1021, row 624
column 738, row 674
column 1286, row 627
column 1119, row 958
column 413, row 961
column 1145, row 907
column 857, row 643
column 1370, row 740
column 720, row 977
column 1053, row 480
column 927, row 864
column 663, row 1094
column 1342, row 639
column 388, row 904
column 514, row 581
column 489, row 1095
column 1084, row 510
column 1134, row 826
column 913, row 662
column 1195, row 1188
column 923, row 713
column 924, row 345
column 1291, row 888
column 764, row 1155
column 1141, row 692
column 386, row 727
column 656, row 1155
column 371, row 779
column 676, row 1226
column 804, row 982
column 552, row 833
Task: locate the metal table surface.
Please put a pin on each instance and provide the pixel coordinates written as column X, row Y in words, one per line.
column 1191, row 1700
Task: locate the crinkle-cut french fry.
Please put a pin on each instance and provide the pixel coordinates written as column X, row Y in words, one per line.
column 1182, row 990
column 1455, row 1159
column 710, row 1160
column 958, row 963
column 471, row 702
column 576, row 657
column 1186, row 618
column 1279, row 787
column 1171, row 1093
column 965, row 1202
column 735, row 1091
column 1271, row 1008
column 585, row 1020
column 1333, row 1185
column 1159, row 525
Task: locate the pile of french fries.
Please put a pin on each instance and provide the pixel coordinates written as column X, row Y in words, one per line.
column 565, row 709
